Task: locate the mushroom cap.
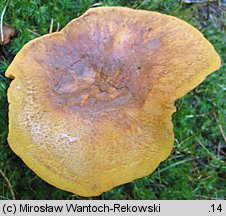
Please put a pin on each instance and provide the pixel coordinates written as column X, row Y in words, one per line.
column 91, row 105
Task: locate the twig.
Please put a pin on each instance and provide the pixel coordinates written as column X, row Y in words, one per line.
column 1, row 21
column 8, row 184
column 219, row 126
column 3, row 197
column 204, row 197
column 208, row 152
column 33, row 32
column 51, row 26
column 176, row 164
column 219, row 149
column 58, row 27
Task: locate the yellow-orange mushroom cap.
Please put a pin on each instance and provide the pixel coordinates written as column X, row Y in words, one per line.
column 91, row 105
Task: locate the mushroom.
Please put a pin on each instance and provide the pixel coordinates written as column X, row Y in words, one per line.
column 91, row 105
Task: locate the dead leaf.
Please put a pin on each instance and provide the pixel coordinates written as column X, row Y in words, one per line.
column 8, row 32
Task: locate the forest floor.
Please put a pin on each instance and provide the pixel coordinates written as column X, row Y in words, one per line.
column 196, row 168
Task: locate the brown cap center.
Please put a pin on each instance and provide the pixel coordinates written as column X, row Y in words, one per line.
column 91, row 84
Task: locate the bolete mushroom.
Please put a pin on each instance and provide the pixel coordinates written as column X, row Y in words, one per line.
column 91, row 105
